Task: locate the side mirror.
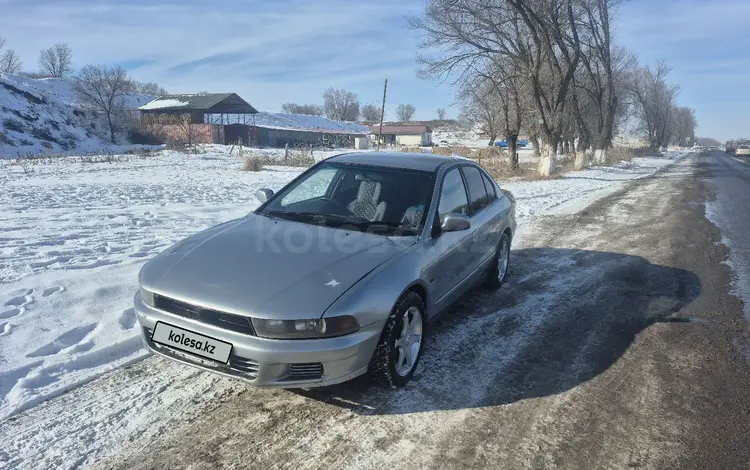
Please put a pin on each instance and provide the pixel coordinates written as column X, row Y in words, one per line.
column 263, row 194
column 455, row 222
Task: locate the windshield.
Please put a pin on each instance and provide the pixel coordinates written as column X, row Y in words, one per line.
column 377, row 199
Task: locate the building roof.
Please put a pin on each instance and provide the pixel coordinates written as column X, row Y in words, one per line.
column 401, row 129
column 229, row 103
column 405, row 160
column 307, row 123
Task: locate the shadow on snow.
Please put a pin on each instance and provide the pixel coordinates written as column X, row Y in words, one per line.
column 564, row 317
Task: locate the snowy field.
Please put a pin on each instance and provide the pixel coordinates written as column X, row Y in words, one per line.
column 74, row 235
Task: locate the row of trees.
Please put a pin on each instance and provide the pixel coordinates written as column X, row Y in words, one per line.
column 53, row 62
column 549, row 69
column 342, row 105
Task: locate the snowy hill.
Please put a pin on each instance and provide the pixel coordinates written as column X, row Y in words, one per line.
column 42, row 116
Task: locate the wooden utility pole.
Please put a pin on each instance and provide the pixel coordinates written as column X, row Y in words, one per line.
column 382, row 112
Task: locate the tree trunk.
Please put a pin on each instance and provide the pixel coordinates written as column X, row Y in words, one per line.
column 513, row 149
column 535, row 143
column 111, row 129
column 547, row 162
column 580, row 161
column 600, row 156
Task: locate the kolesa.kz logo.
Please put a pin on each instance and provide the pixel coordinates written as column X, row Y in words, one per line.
column 190, row 342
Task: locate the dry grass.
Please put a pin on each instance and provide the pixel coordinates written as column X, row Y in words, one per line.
column 412, row 149
column 619, row 154
column 463, row 151
column 299, row 158
column 253, row 162
column 443, row 151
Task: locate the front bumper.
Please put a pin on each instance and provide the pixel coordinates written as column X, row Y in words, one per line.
column 270, row 362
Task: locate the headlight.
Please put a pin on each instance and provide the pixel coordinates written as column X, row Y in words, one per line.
column 301, row 329
column 148, row 297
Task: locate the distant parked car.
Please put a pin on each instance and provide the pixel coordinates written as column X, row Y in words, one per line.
column 504, row 143
column 332, row 277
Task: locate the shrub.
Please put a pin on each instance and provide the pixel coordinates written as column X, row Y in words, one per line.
column 68, row 140
column 411, row 149
column 144, row 137
column 42, row 133
column 13, row 124
column 253, row 162
column 444, row 151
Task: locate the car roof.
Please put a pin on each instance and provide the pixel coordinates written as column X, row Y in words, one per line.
column 404, row 160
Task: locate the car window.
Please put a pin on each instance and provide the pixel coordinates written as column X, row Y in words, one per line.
column 453, row 194
column 316, row 185
column 477, row 193
column 491, row 193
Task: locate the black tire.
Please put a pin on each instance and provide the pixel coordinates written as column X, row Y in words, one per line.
column 382, row 367
column 493, row 280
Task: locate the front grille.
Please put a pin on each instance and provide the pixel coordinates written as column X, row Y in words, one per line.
column 238, row 366
column 307, row 371
column 224, row 320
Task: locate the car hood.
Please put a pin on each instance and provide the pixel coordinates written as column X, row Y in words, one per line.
column 268, row 268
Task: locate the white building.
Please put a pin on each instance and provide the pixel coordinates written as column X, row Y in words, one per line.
column 408, row 135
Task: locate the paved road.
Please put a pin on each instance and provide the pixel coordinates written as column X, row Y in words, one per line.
column 730, row 179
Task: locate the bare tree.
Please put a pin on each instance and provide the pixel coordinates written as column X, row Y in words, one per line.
column 480, row 106
column 653, row 101
column 104, row 89
column 340, row 105
column 541, row 37
column 56, row 61
column 184, row 124
column 370, row 113
column 310, row 109
column 441, row 114
column 150, row 88
column 9, row 60
column 684, row 125
column 404, row 112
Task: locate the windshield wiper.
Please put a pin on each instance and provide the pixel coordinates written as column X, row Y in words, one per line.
column 318, row 216
column 380, row 225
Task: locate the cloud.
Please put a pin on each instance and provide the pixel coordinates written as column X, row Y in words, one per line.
column 268, row 52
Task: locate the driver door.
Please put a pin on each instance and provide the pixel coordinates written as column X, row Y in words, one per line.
column 452, row 259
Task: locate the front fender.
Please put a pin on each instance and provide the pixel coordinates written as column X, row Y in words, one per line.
column 373, row 297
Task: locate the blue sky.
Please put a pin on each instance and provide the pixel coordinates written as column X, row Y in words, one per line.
column 274, row 51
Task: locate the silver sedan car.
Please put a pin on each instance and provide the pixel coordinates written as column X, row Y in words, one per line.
column 332, row 277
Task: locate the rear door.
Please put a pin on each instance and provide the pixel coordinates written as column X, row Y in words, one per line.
column 482, row 242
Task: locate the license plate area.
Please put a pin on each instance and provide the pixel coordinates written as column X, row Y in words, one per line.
column 191, row 342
